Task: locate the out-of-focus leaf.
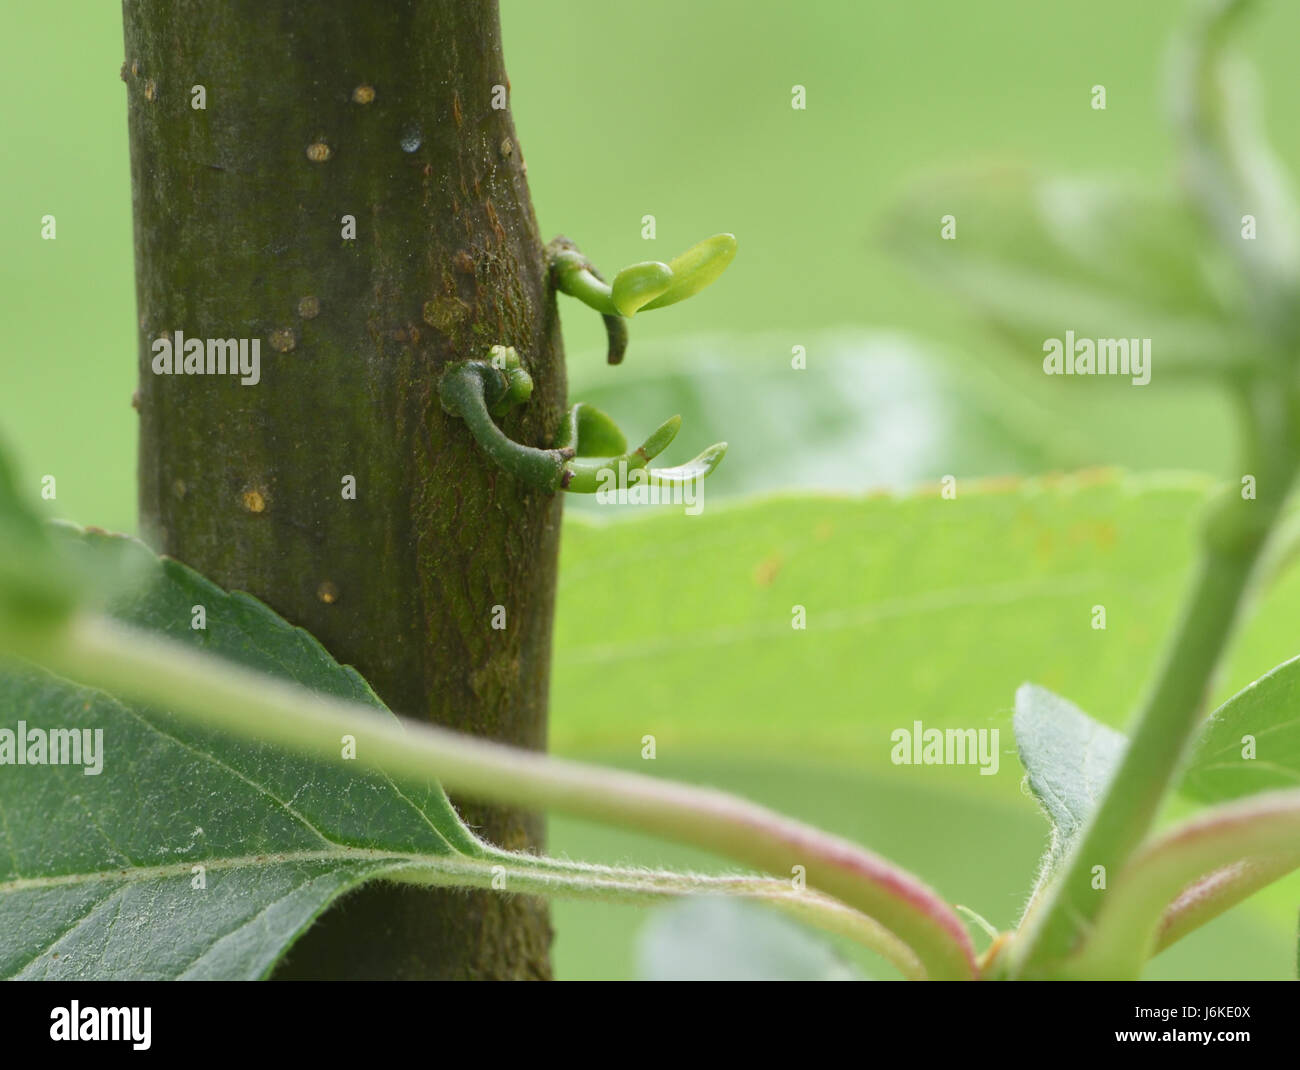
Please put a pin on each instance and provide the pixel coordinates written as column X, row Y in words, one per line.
column 870, row 410
column 1252, row 742
column 36, row 589
column 1230, row 169
column 915, row 608
column 46, row 571
column 1040, row 256
column 716, row 939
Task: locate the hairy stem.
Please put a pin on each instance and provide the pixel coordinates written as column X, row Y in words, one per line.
column 556, row 877
column 1205, row 899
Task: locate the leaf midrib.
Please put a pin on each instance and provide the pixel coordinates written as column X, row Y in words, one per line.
column 341, row 853
column 199, row 752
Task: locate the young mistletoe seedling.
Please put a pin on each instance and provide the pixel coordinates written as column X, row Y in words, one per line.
column 590, row 452
column 647, row 285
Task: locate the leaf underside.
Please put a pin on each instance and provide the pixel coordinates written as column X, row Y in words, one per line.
column 711, row 938
column 1069, row 759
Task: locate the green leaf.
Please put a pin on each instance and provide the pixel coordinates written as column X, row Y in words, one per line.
column 591, row 433
column 96, row 874
column 639, row 284
column 1252, row 742
column 586, row 477
column 909, row 601
column 1069, row 759
column 718, row 939
column 189, row 853
column 1040, row 256
column 703, row 464
column 1230, row 168
column 696, row 268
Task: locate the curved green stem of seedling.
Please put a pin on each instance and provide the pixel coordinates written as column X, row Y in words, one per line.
column 475, row 390
column 650, row 284
column 590, row 452
column 575, row 275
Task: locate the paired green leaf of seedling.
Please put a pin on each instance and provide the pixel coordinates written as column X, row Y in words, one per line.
column 654, row 285
column 590, row 452
column 602, row 460
column 647, row 285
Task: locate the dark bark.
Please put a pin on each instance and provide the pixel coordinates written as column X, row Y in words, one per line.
column 381, row 111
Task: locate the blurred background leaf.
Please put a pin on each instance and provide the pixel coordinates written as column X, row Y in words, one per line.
column 1040, row 256
column 1267, row 714
column 870, row 410
column 719, row 939
column 35, row 588
column 47, row 570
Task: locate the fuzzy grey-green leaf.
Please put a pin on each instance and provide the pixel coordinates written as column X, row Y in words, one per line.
column 1068, row 757
column 710, row 938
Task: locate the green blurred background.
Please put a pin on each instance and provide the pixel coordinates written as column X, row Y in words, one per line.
column 683, row 111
